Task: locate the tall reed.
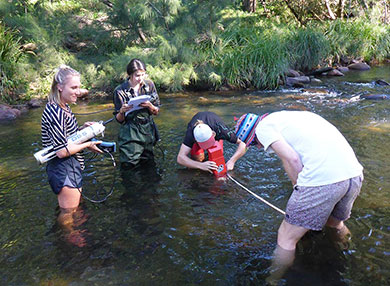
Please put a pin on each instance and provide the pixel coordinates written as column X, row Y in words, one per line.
column 253, row 57
column 307, row 48
column 10, row 54
column 358, row 38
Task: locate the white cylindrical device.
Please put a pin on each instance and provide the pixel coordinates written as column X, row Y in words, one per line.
column 81, row 136
column 86, row 133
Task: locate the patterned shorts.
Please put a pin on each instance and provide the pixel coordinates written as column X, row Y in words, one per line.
column 310, row 207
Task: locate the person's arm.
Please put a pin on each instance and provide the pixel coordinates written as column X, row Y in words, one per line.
column 120, row 116
column 240, row 151
column 184, row 160
column 154, row 104
column 152, row 108
column 72, row 148
column 291, row 161
column 121, row 106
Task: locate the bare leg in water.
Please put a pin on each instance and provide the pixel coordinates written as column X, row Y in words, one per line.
column 289, row 235
column 70, row 221
column 339, row 232
column 284, row 254
column 281, row 262
column 71, row 215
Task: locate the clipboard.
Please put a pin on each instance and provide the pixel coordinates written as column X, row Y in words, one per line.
column 136, row 101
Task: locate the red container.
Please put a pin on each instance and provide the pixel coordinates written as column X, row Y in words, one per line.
column 216, row 155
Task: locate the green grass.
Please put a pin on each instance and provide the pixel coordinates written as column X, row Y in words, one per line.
column 10, row 55
column 182, row 51
column 358, row 38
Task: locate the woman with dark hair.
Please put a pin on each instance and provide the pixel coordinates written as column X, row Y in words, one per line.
column 138, row 132
column 58, row 123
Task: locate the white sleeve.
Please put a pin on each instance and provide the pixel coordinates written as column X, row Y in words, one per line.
column 267, row 133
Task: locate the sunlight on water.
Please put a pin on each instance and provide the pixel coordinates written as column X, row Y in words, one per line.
column 165, row 225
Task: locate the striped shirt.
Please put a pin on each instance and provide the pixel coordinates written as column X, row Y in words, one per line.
column 57, row 125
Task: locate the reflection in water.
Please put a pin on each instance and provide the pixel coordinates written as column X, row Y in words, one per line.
column 318, row 259
column 325, row 254
column 171, row 226
column 140, row 199
column 72, row 222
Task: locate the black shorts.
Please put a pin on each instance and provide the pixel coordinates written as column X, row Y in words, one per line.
column 63, row 172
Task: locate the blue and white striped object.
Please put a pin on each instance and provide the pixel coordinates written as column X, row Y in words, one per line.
column 246, row 127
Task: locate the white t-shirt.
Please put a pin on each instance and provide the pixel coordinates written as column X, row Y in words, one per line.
column 326, row 156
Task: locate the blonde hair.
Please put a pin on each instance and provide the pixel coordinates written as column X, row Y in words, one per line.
column 60, row 77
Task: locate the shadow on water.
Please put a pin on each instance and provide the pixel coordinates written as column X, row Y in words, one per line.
column 140, row 199
column 166, row 225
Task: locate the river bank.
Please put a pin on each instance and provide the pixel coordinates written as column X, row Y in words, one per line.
column 199, row 51
column 293, row 79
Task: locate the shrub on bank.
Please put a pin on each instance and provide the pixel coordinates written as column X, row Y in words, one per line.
column 358, row 38
column 10, row 57
column 237, row 49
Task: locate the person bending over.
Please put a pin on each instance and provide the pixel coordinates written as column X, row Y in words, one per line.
column 324, row 171
column 203, row 131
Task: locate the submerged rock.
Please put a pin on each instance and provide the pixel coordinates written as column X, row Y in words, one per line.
column 381, row 82
column 321, row 71
column 335, row 72
column 315, row 91
column 375, row 96
column 359, row 66
column 8, row 113
column 298, row 81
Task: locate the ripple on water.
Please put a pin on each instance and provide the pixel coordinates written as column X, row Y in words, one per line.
column 177, row 226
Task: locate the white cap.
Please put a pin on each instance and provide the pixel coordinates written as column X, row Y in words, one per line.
column 204, row 136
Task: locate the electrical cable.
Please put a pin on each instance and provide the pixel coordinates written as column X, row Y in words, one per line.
column 94, row 112
column 161, row 150
column 106, row 195
column 256, row 196
column 92, row 200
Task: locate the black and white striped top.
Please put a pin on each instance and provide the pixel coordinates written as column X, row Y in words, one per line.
column 57, row 125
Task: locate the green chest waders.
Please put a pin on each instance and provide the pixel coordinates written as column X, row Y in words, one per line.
column 137, row 137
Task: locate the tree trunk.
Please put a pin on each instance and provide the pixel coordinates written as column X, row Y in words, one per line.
column 331, row 15
column 264, row 5
column 340, row 9
column 141, row 34
column 364, row 4
column 294, row 13
column 250, row 5
column 108, row 3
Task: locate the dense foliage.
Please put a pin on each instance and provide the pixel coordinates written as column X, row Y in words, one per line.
column 198, row 44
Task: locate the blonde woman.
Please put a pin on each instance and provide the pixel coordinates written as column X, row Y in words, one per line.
column 58, row 123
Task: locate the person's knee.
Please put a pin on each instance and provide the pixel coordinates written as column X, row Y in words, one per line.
column 65, row 217
column 335, row 223
column 284, row 241
column 69, row 198
column 289, row 235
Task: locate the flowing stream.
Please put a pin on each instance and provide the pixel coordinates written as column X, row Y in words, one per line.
column 166, row 225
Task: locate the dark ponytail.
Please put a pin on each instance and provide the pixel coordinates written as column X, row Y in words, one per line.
column 135, row 65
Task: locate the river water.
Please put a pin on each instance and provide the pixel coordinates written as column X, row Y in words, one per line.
column 166, row 225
